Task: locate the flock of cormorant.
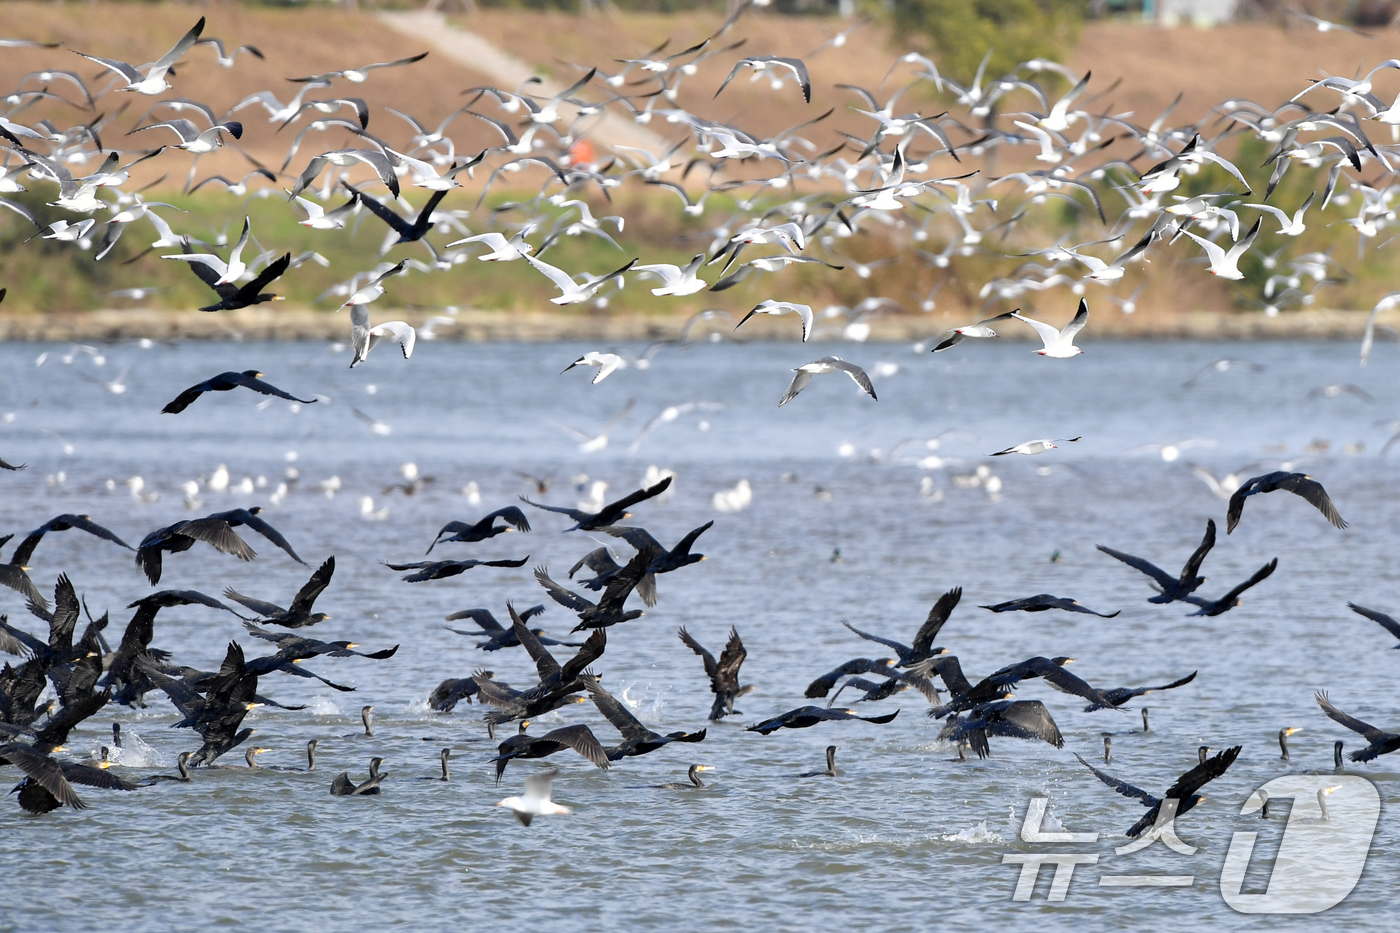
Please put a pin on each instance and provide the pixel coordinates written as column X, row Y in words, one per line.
column 87, row 672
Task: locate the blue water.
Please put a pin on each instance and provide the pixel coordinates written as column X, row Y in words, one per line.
column 906, row 833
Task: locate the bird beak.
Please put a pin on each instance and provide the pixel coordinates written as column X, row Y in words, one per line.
column 104, row 765
column 1328, row 790
column 352, row 645
column 1294, row 729
column 708, row 768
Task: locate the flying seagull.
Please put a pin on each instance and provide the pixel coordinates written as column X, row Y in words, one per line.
column 827, row 364
column 1059, row 344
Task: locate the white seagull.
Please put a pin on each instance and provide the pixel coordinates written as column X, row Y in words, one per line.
column 607, row 363
column 363, row 337
column 827, row 364
column 375, row 288
column 230, row 271
column 1059, row 344
column 192, row 139
column 153, row 81
column 1226, row 264
column 536, row 800
column 981, row 329
column 772, row 306
column 502, row 250
column 573, row 292
column 676, row 280
column 1039, row 446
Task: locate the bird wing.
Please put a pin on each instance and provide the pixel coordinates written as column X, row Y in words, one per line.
column 582, row 740
column 1081, row 317
column 1365, row 729
column 307, row 595
column 858, row 374
column 615, row 712
column 16, row 579
column 823, row 684
column 730, row 659
column 592, row 650
column 1310, row 489
column 1193, row 563
column 566, row 598
column 1163, row 578
column 43, row 770
column 711, row 666
column 511, row 515
column 259, row 606
column 1048, row 334
column 1067, row 682
column 599, row 560
column 641, row 495
column 799, row 382
column 545, row 664
column 937, row 616
column 185, row 399
column 575, row 514
column 267, row 388
column 186, row 43
column 481, row 617
column 1263, row 572
column 19, row 642
column 1201, row 775
column 273, row 535
column 1389, row 623
column 899, row 648
column 217, row 532
column 1025, row 719
column 639, row 538
column 1235, row 508
column 274, row 270
column 540, row 786
column 1123, row 787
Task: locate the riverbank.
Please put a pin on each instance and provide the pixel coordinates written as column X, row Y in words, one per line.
column 542, row 326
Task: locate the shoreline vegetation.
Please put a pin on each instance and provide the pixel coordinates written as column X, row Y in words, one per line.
column 544, row 326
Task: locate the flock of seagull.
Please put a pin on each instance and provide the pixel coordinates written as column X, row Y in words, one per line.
column 897, row 171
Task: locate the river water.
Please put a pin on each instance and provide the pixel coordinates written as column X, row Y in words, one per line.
column 905, row 834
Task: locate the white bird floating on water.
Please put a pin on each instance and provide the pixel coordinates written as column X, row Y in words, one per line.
column 535, row 801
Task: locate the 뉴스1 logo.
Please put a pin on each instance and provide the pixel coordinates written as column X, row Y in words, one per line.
column 1324, row 848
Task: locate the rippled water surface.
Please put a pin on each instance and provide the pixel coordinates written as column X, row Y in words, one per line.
column 906, row 834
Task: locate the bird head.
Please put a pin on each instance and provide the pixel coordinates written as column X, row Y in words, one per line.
column 1292, row 729
column 1062, row 661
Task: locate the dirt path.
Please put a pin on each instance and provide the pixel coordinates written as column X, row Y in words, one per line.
column 508, row 71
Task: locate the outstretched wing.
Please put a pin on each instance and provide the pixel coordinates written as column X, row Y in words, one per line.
column 937, row 616
column 711, row 667
column 1193, row 563
column 1164, row 579
column 566, row 598
column 1201, row 775
column 1262, row 573
column 1122, row 787
column 308, row 594
column 1365, row 729
column 899, row 648
column 1390, row 625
